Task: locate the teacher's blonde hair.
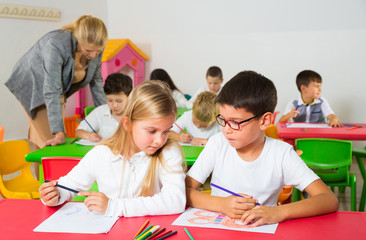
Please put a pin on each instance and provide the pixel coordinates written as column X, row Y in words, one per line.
column 149, row 100
column 88, row 30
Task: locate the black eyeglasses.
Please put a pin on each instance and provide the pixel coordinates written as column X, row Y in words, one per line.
column 233, row 124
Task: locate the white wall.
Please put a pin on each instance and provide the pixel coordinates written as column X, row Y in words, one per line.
column 17, row 36
column 275, row 38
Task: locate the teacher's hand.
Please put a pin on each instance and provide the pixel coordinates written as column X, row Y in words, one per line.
column 58, row 139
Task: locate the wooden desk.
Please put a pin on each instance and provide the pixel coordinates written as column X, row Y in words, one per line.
column 20, row 217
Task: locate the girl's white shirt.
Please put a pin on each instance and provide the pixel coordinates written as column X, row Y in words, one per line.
column 120, row 181
column 180, row 99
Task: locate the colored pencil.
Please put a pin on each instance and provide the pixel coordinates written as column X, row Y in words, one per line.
column 141, row 228
column 155, row 234
column 162, row 235
column 228, row 191
column 167, row 235
column 188, row 233
column 148, row 233
column 74, row 140
column 179, row 127
column 147, row 229
column 297, row 107
column 90, row 126
column 66, row 188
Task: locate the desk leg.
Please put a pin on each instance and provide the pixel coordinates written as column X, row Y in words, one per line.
column 363, row 173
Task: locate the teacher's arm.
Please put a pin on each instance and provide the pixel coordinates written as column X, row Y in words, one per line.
column 96, row 85
column 53, row 60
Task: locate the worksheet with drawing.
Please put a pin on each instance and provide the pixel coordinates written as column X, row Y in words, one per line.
column 194, row 217
column 74, row 217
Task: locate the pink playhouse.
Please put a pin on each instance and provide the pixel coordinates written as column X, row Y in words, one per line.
column 117, row 54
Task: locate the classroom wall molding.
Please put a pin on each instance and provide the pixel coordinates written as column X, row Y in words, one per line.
column 29, row 12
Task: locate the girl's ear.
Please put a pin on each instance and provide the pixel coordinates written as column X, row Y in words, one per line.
column 266, row 120
column 125, row 123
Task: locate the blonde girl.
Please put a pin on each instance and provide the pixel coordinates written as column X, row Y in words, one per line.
column 138, row 170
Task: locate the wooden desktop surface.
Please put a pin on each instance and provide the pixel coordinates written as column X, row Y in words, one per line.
column 20, row 217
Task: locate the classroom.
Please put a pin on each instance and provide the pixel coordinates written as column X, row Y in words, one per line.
column 277, row 39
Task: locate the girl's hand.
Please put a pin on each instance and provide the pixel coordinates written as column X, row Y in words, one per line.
column 93, row 137
column 95, row 201
column 185, row 138
column 199, row 142
column 49, row 193
column 235, row 207
column 260, row 215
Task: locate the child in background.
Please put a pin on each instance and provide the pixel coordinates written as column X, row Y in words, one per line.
column 309, row 106
column 162, row 75
column 105, row 119
column 199, row 122
column 244, row 161
column 138, row 170
column 214, row 79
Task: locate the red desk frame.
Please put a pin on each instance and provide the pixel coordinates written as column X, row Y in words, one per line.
column 344, row 133
column 20, row 217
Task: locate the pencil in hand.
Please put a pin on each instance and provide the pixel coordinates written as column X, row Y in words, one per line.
column 90, row 126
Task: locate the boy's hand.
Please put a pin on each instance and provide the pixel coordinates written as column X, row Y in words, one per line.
column 235, row 207
column 199, row 142
column 49, row 193
column 260, row 215
column 334, row 122
column 293, row 113
column 95, row 201
column 185, row 138
column 93, row 137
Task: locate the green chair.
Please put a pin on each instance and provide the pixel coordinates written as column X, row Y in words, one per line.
column 330, row 159
column 88, row 110
column 360, row 153
column 180, row 111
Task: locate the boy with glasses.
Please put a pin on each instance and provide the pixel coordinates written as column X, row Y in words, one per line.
column 246, row 162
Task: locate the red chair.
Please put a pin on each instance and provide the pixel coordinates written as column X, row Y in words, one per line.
column 56, row 167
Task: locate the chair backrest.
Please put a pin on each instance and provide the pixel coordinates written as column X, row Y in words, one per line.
column 272, row 132
column 1, row 133
column 12, row 156
column 71, row 124
column 56, row 167
column 88, row 110
column 329, row 158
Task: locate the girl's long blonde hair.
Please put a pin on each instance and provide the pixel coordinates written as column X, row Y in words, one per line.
column 88, row 30
column 150, row 99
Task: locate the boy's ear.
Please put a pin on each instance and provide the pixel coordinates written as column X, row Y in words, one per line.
column 302, row 88
column 266, row 120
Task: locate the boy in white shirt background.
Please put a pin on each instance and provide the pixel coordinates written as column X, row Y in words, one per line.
column 199, row 122
column 105, row 119
column 214, row 79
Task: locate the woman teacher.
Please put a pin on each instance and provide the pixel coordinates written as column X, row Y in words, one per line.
column 59, row 64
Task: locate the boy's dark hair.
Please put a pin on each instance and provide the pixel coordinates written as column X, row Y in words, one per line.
column 306, row 77
column 251, row 91
column 214, row 71
column 116, row 83
column 162, row 75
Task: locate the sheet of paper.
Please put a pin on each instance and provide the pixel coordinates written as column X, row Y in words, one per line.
column 194, row 217
column 74, row 217
column 307, row 125
column 86, row 142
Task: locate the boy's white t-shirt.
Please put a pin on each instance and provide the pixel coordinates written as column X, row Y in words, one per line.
column 185, row 122
column 277, row 166
column 101, row 120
